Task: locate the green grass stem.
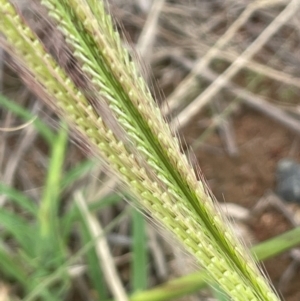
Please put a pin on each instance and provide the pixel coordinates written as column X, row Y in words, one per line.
column 139, row 273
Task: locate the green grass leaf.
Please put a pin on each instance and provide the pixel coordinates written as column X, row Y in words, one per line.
column 40, row 126
column 48, row 212
column 61, row 270
column 11, row 266
column 139, row 273
column 277, row 245
column 19, row 198
column 19, row 229
column 76, row 173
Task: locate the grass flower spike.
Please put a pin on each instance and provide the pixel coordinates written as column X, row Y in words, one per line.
column 113, row 111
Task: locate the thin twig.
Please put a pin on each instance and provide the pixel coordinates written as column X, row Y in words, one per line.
column 190, row 111
column 258, row 103
column 226, row 130
column 12, row 165
column 159, row 259
column 174, row 99
column 103, row 252
column 147, row 36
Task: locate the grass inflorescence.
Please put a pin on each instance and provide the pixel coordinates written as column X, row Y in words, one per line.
column 113, row 111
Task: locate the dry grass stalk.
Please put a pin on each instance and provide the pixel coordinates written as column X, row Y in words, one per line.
column 191, row 110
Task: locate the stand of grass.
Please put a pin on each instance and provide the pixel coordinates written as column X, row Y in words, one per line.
column 39, row 260
column 40, row 249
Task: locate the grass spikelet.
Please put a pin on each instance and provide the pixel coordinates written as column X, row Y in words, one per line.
column 146, row 156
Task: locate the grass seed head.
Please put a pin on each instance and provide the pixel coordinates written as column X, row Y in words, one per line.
column 147, row 158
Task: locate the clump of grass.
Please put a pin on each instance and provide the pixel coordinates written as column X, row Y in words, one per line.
column 35, row 236
column 113, row 111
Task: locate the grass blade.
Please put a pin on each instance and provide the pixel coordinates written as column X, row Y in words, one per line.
column 19, row 229
column 76, row 172
column 19, row 198
column 12, row 267
column 48, row 212
column 139, row 252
